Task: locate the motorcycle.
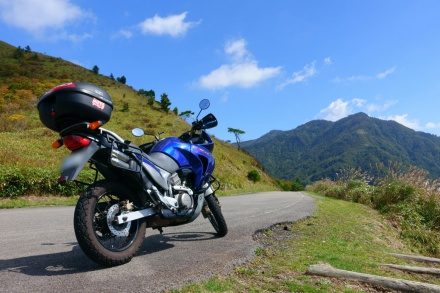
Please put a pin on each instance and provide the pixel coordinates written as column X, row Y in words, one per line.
column 167, row 182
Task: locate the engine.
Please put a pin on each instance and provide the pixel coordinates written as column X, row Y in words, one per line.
column 181, row 191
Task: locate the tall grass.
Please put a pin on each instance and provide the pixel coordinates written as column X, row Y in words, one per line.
column 404, row 194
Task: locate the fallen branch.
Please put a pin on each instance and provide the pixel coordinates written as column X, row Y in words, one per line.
column 419, row 270
column 417, row 258
column 327, row 270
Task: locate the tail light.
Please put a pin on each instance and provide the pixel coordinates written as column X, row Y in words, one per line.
column 74, row 142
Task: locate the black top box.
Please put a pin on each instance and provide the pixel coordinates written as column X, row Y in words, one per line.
column 72, row 103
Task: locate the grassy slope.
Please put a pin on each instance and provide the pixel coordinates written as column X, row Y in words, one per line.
column 331, row 236
column 28, row 144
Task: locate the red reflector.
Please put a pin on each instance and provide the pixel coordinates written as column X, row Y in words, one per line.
column 74, row 142
column 62, row 86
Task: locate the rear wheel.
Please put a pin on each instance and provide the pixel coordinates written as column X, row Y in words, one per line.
column 99, row 236
column 215, row 215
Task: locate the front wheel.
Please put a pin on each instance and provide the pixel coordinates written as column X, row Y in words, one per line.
column 215, row 215
column 99, row 236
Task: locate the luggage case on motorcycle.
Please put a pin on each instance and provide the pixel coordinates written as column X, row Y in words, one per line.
column 72, row 103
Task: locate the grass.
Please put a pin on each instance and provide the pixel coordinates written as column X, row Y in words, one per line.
column 345, row 235
column 34, row 201
column 403, row 194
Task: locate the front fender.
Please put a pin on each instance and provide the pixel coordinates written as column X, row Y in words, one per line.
column 74, row 163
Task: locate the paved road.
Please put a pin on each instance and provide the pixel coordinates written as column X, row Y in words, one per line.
column 39, row 252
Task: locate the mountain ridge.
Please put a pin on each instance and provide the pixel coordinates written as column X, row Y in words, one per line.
column 320, row 149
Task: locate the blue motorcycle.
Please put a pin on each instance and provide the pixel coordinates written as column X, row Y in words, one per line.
column 167, row 182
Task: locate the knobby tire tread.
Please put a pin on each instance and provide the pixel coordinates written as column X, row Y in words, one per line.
column 86, row 237
column 218, row 215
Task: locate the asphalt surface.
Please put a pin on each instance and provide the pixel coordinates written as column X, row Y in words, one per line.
column 39, row 251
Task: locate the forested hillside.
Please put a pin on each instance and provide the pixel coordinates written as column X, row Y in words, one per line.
column 30, row 165
column 321, row 149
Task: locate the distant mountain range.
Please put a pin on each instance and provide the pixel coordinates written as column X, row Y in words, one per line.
column 320, row 149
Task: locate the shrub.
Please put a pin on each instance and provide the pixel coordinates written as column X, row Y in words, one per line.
column 125, row 108
column 15, row 182
column 254, row 176
column 403, row 194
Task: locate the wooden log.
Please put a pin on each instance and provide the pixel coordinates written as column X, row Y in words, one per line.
column 326, row 270
column 418, row 270
column 417, row 258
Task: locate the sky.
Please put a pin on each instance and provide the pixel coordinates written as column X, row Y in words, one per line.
column 264, row 65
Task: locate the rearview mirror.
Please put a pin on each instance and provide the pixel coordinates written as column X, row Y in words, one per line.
column 204, row 104
column 137, row 132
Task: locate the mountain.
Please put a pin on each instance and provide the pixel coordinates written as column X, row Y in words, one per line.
column 320, row 149
column 25, row 144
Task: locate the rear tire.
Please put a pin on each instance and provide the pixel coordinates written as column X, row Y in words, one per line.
column 102, row 240
column 215, row 215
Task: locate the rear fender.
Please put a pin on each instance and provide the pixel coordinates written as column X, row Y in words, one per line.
column 74, row 163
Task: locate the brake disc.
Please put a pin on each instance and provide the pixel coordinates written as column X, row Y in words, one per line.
column 118, row 230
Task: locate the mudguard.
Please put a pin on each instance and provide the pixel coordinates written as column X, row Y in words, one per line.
column 74, row 163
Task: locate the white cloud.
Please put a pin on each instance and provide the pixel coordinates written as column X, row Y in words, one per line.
column 432, row 125
column 243, row 75
column 328, row 61
column 123, row 33
column 380, row 75
column 339, row 109
column 242, row 72
column 336, row 110
column 386, row 73
column 301, row 76
column 414, row 123
column 370, row 108
column 403, row 119
column 237, row 50
column 173, row 25
column 38, row 17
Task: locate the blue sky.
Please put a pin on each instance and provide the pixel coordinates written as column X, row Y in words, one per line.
column 264, row 65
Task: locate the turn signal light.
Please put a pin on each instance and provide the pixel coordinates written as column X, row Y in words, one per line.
column 57, row 144
column 95, row 125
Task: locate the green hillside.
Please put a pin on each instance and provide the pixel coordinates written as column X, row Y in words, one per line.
column 30, row 165
column 321, row 149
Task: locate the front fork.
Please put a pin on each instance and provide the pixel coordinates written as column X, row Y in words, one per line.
column 205, row 210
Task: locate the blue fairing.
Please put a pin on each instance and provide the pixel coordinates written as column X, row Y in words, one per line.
column 188, row 156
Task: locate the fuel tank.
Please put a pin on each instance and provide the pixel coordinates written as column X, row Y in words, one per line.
column 187, row 155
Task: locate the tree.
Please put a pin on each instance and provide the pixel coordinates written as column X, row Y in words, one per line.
column 121, row 79
column 111, row 76
column 186, row 113
column 95, row 69
column 297, row 185
column 165, row 102
column 28, row 49
column 237, row 133
column 150, row 101
column 175, row 110
column 18, row 53
column 143, row 92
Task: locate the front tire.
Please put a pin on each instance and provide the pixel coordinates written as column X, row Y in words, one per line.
column 102, row 240
column 215, row 215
